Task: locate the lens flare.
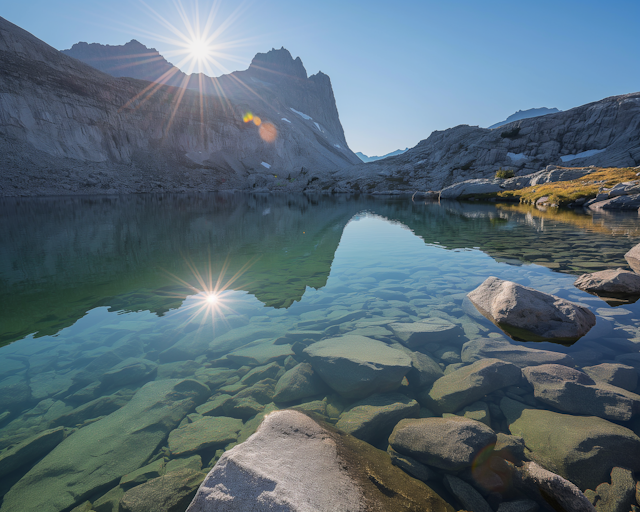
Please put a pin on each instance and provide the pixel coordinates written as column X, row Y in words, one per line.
column 268, row 132
column 247, row 117
column 257, row 121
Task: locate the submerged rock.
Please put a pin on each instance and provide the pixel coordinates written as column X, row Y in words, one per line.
column 207, row 432
column 582, row 449
column 429, row 330
column 170, row 493
column 297, row 383
column 470, row 383
column 573, row 391
column 616, row 374
column 30, row 450
column 446, row 443
column 527, row 314
column 374, row 417
column 98, row 455
column 555, row 490
column 470, row 499
column 521, row 356
column 356, row 366
column 337, row 472
column 617, row 496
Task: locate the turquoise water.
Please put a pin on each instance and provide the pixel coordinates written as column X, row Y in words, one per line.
column 100, row 296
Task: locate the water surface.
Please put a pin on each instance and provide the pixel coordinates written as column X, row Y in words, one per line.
column 191, row 285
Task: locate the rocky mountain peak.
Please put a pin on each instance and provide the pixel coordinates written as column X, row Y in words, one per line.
column 276, row 65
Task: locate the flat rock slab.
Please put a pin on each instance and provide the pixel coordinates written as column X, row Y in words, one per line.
column 374, row 417
column 207, row 432
column 98, row 455
column 617, row 496
column 633, row 258
column 582, row 449
column 573, row 391
column 292, row 464
column 485, row 348
column 446, row 443
column 530, row 315
column 356, row 366
column 470, row 383
column 430, row 330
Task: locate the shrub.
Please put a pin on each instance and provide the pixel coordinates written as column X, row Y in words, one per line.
column 510, row 134
column 503, row 174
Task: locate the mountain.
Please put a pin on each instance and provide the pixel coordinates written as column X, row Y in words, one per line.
column 526, row 114
column 68, row 128
column 603, row 133
column 366, row 158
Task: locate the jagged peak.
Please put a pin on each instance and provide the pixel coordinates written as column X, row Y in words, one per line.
column 279, row 62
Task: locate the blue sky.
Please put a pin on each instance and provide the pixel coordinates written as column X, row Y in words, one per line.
column 401, row 69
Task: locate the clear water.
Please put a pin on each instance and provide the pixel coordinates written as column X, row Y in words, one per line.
column 86, row 283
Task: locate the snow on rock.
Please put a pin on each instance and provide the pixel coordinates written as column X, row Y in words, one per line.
column 516, row 157
column 265, row 164
column 337, row 146
column 301, row 114
column 317, row 126
column 285, row 119
column 584, row 154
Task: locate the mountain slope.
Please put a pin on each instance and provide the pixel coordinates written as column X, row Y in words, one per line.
column 66, row 127
column 603, row 133
column 525, row 114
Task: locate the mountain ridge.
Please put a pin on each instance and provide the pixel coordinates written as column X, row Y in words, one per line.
column 526, row 114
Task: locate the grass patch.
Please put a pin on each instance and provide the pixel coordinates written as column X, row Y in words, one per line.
column 563, row 193
column 503, row 174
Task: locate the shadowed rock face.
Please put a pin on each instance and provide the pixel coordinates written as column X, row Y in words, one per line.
column 599, row 133
column 66, row 127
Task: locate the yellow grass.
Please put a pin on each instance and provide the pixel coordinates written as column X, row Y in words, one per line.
column 562, row 193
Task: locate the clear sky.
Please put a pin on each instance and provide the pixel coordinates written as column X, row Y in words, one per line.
column 399, row 69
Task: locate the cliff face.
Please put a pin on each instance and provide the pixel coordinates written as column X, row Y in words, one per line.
column 603, row 133
column 66, row 127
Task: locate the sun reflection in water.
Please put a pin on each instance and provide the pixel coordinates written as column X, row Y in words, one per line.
column 211, row 299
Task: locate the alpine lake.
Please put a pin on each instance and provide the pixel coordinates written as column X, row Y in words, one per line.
column 144, row 335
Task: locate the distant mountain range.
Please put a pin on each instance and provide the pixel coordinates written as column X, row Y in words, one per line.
column 366, row 158
column 526, row 114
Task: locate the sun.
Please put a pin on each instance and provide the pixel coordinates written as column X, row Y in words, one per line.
column 199, row 50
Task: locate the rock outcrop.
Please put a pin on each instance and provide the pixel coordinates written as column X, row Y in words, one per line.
column 67, row 128
column 602, row 133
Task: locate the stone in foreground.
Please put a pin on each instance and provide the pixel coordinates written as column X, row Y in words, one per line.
column 446, row 443
column 357, row 366
column 530, row 315
column 582, row 449
column 470, row 383
column 293, row 464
